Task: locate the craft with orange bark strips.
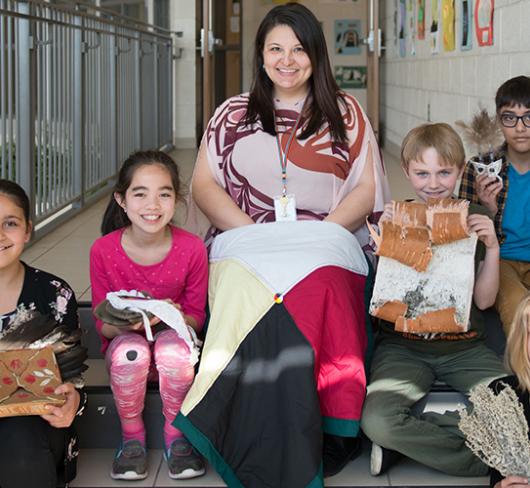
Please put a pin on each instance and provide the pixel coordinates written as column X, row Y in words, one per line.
column 416, row 226
column 28, row 379
column 416, row 287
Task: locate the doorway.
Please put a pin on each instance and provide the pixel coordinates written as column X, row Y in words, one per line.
column 219, row 55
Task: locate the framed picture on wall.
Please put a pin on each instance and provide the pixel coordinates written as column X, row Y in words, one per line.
column 348, row 36
column 448, row 24
column 466, row 26
column 351, row 76
column 484, row 21
column 420, row 22
column 435, row 27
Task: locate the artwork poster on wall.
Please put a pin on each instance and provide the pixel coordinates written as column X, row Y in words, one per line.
column 351, row 76
column 420, row 23
column 435, row 27
column 348, row 36
column 402, row 23
column 412, row 25
column 448, row 24
column 466, row 25
column 396, row 10
column 484, row 21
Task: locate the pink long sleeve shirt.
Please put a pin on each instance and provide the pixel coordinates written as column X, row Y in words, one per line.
column 181, row 276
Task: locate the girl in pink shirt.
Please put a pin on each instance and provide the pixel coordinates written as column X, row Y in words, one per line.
column 141, row 250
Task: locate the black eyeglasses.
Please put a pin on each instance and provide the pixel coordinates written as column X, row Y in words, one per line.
column 511, row 120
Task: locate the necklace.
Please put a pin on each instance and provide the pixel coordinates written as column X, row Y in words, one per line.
column 283, row 157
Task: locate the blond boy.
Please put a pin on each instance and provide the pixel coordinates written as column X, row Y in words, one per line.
column 405, row 366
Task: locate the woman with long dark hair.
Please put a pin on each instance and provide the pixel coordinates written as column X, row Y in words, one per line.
column 283, row 360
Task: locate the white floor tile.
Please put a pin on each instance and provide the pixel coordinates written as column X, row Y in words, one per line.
column 210, row 479
column 408, row 473
column 357, row 473
column 94, row 467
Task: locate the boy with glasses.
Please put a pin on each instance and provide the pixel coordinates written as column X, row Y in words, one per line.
column 509, row 200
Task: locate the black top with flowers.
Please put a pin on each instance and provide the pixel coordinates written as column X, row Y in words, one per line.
column 46, row 294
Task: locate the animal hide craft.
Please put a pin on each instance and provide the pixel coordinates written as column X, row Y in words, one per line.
column 417, row 284
column 28, row 378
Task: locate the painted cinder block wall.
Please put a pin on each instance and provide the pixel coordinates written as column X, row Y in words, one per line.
column 450, row 85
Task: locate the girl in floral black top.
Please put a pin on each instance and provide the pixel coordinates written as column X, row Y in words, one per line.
column 35, row 451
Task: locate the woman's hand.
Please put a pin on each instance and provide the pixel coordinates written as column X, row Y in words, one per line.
column 483, row 226
column 512, row 482
column 61, row 417
column 487, row 192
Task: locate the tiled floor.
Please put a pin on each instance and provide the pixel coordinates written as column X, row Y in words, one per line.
column 96, row 463
column 65, row 252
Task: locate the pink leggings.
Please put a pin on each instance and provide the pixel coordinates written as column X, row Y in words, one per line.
column 130, row 359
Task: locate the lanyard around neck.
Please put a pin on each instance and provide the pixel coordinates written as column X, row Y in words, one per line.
column 283, row 157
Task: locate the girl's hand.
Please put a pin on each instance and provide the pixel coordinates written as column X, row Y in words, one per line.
column 487, row 191
column 61, row 417
column 483, row 226
column 388, row 213
column 139, row 326
column 512, row 482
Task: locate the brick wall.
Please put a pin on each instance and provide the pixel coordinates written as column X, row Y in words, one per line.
column 450, row 85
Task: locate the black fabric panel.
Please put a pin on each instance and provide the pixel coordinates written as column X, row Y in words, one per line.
column 262, row 414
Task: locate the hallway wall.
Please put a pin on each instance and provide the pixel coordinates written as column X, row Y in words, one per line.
column 182, row 18
column 449, row 86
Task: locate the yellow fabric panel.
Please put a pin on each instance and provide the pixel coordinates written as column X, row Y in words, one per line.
column 238, row 301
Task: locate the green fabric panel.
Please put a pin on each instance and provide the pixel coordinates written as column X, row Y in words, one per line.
column 205, row 447
column 318, row 480
column 340, row 427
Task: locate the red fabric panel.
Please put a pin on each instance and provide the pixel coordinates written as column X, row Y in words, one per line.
column 328, row 308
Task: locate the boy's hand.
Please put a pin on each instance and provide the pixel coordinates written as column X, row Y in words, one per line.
column 487, row 191
column 61, row 417
column 388, row 213
column 483, row 226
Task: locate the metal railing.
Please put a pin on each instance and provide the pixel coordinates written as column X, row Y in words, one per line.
column 80, row 89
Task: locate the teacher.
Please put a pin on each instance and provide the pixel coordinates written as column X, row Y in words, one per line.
column 295, row 148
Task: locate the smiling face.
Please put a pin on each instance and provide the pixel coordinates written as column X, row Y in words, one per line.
column 286, row 63
column 431, row 177
column 15, row 231
column 150, row 199
column 518, row 137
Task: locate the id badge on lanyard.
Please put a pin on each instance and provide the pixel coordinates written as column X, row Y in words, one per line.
column 285, row 208
column 285, row 204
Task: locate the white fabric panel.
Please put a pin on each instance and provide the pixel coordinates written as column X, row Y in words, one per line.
column 295, row 248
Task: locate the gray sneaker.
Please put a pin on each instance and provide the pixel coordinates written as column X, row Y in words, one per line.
column 130, row 462
column 183, row 462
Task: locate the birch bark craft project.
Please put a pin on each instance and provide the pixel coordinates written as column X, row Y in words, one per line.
column 28, row 378
column 425, row 276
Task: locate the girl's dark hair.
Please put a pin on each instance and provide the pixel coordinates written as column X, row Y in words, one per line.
column 17, row 194
column 115, row 217
column 515, row 91
column 324, row 91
